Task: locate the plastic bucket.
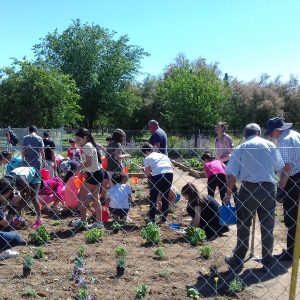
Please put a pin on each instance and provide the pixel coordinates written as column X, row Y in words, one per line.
column 227, row 215
column 134, row 179
column 45, row 174
column 78, row 180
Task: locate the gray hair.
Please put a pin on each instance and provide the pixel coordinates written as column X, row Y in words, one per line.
column 252, row 129
column 153, row 122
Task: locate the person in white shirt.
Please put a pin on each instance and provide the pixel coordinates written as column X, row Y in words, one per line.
column 159, row 170
column 119, row 196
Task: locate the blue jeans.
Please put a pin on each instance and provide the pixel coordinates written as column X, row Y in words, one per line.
column 9, row 239
column 160, row 184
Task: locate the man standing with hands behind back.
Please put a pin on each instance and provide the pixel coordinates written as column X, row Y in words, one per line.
column 158, row 139
column 289, row 183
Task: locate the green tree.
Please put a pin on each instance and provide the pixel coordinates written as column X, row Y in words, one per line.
column 32, row 94
column 101, row 65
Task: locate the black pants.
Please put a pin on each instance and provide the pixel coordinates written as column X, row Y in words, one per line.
column 290, row 207
column 214, row 181
column 160, row 184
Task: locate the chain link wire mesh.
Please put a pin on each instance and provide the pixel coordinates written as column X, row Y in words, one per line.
column 162, row 259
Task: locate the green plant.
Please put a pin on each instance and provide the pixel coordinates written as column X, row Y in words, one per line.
column 94, row 235
column 39, row 253
column 83, row 294
column 116, row 226
column 193, row 293
column 164, row 274
column 40, row 236
column 30, row 293
column 151, row 233
column 82, row 251
column 134, row 164
column 28, row 262
column 195, row 235
column 193, row 163
column 121, row 262
column 205, row 251
column 55, row 222
column 121, row 251
column 235, row 286
column 141, row 291
column 159, row 252
column 79, row 262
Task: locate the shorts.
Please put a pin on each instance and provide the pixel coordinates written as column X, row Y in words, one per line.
column 95, row 178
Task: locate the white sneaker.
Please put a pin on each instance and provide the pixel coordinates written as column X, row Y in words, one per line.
column 8, row 254
column 96, row 225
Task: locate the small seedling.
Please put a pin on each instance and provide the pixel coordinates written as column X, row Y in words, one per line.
column 121, row 251
column 39, row 253
column 193, row 293
column 79, row 262
column 55, row 222
column 94, row 235
column 82, row 251
column 205, row 251
column 235, row 286
column 116, row 227
column 195, row 235
column 30, row 293
column 40, row 236
column 121, row 264
column 141, row 292
column 164, row 274
column 83, row 294
column 160, row 252
column 151, row 233
column 27, row 265
column 214, row 270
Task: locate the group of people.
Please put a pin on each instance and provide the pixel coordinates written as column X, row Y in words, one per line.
column 255, row 164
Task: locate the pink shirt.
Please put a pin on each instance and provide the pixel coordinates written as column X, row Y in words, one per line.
column 53, row 186
column 214, row 167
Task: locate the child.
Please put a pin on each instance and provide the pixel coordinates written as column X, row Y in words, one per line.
column 28, row 182
column 10, row 162
column 119, row 196
column 215, row 172
column 52, row 191
column 74, row 152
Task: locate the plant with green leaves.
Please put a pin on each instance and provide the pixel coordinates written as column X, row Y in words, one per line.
column 121, row 262
column 235, row 286
column 116, row 226
column 39, row 253
column 40, row 236
column 193, row 293
column 141, row 292
column 151, row 233
column 121, row 251
column 94, row 235
column 30, row 293
column 82, row 251
column 159, row 252
column 55, row 222
column 135, row 164
column 205, row 251
column 83, row 294
column 195, row 235
column 164, row 273
column 27, row 265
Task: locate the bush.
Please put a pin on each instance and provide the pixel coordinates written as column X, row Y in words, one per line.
column 121, row 251
column 151, row 233
column 141, row 292
column 235, row 286
column 205, row 251
column 195, row 235
column 40, row 236
column 134, row 164
column 94, row 235
column 159, row 252
column 39, row 253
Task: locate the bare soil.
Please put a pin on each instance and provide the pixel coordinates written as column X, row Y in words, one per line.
column 166, row 279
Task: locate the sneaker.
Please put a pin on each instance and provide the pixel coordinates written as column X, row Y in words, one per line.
column 8, row 254
column 283, row 256
column 96, row 225
column 79, row 224
column 38, row 223
column 235, row 264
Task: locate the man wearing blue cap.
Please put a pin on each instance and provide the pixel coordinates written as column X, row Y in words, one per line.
column 289, row 184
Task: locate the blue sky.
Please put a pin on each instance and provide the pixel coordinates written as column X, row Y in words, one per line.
column 246, row 37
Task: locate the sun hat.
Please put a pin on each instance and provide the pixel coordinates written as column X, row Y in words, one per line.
column 277, row 123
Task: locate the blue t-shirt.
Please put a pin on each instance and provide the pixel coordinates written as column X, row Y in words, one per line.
column 15, row 162
column 159, row 136
column 31, row 175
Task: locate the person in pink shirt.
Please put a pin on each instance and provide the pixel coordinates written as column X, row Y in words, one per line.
column 52, row 191
column 214, row 170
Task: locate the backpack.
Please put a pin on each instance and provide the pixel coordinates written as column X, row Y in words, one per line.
column 13, row 138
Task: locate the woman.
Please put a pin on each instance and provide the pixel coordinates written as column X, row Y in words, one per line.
column 223, row 143
column 159, row 169
column 91, row 166
column 204, row 211
column 115, row 156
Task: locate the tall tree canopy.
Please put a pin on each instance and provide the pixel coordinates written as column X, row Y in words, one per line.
column 102, row 66
column 32, row 94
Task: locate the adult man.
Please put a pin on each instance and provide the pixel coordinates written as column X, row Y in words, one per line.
column 158, row 138
column 254, row 164
column 33, row 150
column 289, row 183
column 50, row 162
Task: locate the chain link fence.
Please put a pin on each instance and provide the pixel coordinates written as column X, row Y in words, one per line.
column 161, row 238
